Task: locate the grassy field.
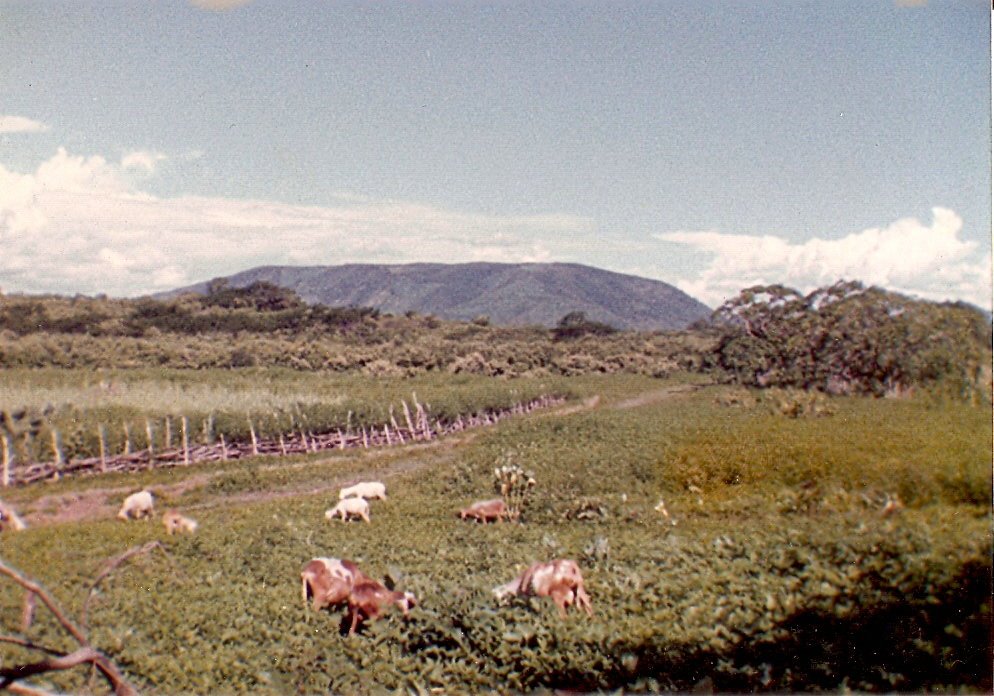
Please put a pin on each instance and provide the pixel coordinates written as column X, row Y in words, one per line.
column 774, row 571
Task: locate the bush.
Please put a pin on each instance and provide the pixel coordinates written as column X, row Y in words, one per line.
column 575, row 325
column 850, row 339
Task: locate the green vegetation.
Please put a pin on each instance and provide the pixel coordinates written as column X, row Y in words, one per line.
column 576, row 324
column 845, row 339
column 776, row 569
column 850, row 339
column 265, row 326
column 797, row 537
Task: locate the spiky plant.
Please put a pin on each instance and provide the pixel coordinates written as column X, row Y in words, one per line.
column 514, row 484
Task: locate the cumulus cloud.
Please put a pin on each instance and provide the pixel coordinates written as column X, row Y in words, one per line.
column 20, row 124
column 143, row 160
column 83, row 224
column 926, row 260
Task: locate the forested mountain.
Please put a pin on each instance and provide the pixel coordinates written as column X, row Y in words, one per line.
column 509, row 294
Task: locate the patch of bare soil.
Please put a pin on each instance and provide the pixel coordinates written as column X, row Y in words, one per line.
column 70, row 507
column 94, row 503
column 586, row 405
column 656, row 396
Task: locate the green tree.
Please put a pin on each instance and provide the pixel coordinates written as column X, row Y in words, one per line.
column 847, row 338
column 576, row 324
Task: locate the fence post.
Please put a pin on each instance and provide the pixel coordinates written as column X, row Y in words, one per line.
column 57, row 454
column 5, row 481
column 410, row 423
column 148, row 434
column 127, row 439
column 255, row 442
column 396, row 428
column 169, row 434
column 186, row 445
column 103, row 448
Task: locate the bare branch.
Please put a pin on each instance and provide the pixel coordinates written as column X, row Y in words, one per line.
column 52, row 664
column 111, row 565
column 38, row 590
column 27, row 611
column 85, row 654
column 27, row 690
column 25, row 643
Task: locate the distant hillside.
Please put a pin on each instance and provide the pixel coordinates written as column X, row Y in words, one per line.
column 510, row 294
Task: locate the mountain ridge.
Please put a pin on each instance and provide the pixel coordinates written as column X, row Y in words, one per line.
column 507, row 293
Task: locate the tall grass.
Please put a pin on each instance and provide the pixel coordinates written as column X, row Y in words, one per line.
column 272, row 401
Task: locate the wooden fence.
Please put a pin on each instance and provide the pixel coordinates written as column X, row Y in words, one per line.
column 417, row 426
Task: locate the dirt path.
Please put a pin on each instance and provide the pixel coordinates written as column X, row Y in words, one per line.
column 441, row 452
column 656, row 396
column 93, row 504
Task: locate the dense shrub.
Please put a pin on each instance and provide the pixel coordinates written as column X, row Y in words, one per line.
column 852, row 339
column 576, row 324
column 248, row 327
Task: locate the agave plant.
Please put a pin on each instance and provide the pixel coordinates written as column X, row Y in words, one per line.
column 514, row 484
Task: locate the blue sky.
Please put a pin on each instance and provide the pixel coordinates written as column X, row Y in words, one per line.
column 711, row 145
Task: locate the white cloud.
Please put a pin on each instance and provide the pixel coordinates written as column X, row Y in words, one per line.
column 20, row 124
column 908, row 256
column 83, row 224
column 142, row 160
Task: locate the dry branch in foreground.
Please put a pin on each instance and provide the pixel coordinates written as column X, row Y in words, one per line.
column 86, row 654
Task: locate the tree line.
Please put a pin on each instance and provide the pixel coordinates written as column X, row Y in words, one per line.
column 850, row 339
column 842, row 339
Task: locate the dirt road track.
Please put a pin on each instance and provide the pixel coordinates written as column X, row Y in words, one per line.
column 656, row 396
column 93, row 504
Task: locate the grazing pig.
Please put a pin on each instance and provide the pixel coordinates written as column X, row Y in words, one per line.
column 369, row 598
column 175, row 522
column 328, row 581
column 892, row 505
column 136, row 505
column 10, row 519
column 485, row 511
column 366, row 489
column 559, row 579
column 349, row 507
